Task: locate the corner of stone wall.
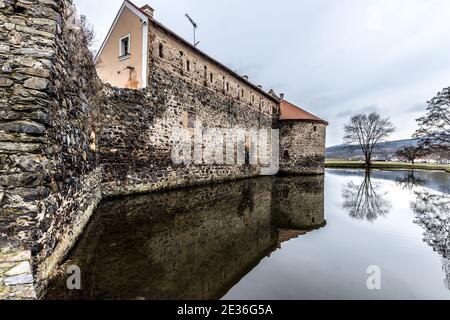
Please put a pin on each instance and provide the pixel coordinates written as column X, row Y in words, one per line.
column 49, row 180
column 302, row 148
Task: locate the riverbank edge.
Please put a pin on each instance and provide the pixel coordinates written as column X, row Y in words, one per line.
column 331, row 164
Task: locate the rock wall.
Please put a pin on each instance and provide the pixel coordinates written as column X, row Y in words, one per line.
column 48, row 174
column 302, row 147
column 136, row 138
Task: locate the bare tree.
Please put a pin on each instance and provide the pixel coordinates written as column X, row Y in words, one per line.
column 434, row 127
column 368, row 130
column 410, row 153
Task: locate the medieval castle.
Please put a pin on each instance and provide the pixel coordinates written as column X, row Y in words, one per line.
column 74, row 129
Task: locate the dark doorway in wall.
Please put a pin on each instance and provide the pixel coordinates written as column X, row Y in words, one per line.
column 161, row 51
column 247, row 155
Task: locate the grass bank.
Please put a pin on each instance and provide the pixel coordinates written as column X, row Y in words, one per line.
column 343, row 164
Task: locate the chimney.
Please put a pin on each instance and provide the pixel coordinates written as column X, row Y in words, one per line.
column 281, row 96
column 245, row 77
column 148, row 10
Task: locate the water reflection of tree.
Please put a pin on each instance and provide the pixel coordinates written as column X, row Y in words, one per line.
column 365, row 201
column 409, row 181
column 432, row 211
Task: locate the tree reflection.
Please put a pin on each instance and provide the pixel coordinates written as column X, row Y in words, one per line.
column 410, row 181
column 432, row 211
column 365, row 201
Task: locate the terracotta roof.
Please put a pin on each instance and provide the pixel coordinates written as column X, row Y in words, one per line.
column 195, row 49
column 292, row 112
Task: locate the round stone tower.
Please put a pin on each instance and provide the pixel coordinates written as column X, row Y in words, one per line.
column 302, row 141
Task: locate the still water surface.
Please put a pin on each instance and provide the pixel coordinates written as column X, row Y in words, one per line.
column 272, row 238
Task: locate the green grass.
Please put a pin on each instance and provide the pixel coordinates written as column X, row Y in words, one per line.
column 331, row 163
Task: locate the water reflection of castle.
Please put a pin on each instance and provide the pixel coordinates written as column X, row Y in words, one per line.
column 191, row 244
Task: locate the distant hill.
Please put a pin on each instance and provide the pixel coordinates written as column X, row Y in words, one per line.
column 384, row 151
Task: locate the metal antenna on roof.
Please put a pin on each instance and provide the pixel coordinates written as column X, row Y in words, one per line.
column 195, row 28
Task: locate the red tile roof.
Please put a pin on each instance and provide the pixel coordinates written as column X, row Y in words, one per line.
column 292, row 112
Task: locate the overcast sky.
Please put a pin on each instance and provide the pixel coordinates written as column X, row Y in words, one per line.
column 331, row 57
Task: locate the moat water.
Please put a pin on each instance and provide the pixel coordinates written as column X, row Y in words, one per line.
column 308, row 237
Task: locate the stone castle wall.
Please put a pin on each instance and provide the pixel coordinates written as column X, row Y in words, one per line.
column 302, row 147
column 48, row 173
column 136, row 139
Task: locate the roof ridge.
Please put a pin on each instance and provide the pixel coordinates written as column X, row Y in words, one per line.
column 290, row 111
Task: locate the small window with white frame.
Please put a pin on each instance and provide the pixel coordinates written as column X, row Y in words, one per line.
column 125, row 47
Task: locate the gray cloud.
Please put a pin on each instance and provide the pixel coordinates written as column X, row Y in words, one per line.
column 349, row 112
column 418, row 107
column 333, row 58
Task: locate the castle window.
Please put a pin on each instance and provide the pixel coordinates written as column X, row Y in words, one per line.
column 188, row 65
column 228, row 86
column 315, row 128
column 124, row 47
column 211, row 77
column 161, row 50
column 242, row 93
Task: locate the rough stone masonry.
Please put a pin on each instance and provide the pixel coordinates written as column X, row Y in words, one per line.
column 67, row 140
